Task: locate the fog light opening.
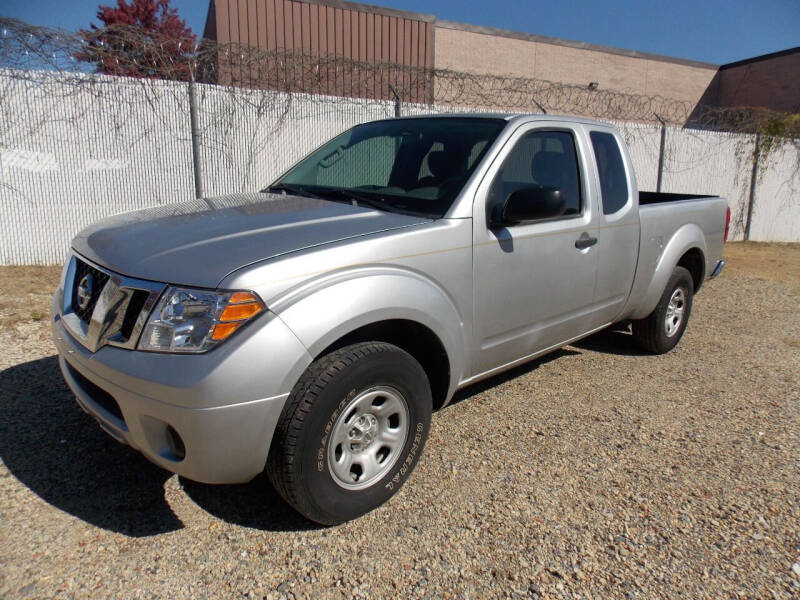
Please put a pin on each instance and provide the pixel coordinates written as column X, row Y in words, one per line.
column 175, row 443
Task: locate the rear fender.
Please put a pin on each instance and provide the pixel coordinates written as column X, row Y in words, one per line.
column 687, row 237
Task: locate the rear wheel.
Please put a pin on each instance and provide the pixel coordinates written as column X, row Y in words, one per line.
column 663, row 328
column 351, row 432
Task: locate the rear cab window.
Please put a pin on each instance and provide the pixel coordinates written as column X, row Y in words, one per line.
column 611, row 170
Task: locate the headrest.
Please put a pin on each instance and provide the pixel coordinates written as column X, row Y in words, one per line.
column 550, row 168
column 444, row 164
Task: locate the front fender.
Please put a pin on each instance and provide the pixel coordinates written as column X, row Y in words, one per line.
column 687, row 237
column 322, row 311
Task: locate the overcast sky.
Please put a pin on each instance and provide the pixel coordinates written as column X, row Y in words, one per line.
column 715, row 31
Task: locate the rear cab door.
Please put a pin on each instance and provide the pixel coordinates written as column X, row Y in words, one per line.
column 618, row 221
column 533, row 286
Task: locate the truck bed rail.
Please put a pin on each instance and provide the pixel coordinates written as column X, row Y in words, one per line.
column 656, row 197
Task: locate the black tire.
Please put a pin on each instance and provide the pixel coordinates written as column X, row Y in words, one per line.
column 298, row 464
column 651, row 332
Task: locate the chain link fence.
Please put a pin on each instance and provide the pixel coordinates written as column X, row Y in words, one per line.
column 78, row 146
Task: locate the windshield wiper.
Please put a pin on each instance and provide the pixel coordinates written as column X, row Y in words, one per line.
column 351, row 196
column 357, row 198
column 334, row 195
column 297, row 190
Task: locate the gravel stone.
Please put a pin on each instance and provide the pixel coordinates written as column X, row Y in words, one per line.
column 594, row 472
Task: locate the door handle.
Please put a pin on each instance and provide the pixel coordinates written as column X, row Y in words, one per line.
column 585, row 241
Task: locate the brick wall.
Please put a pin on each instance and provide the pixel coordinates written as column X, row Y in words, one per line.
column 772, row 81
column 483, row 50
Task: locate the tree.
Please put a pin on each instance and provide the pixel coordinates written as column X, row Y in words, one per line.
column 143, row 38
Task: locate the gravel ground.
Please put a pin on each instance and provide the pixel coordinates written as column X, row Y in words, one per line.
column 596, row 472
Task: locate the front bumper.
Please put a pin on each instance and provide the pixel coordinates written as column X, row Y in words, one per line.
column 209, row 417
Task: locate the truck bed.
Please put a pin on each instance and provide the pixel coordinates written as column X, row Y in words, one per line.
column 667, row 219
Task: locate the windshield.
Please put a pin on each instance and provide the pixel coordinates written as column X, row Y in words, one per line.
column 411, row 166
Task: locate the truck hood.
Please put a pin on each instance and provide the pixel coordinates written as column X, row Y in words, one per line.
column 199, row 242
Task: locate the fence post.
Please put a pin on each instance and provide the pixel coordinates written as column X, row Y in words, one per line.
column 397, row 100
column 193, row 122
column 661, row 150
column 753, row 181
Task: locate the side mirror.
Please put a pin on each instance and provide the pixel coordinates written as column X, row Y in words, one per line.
column 532, row 204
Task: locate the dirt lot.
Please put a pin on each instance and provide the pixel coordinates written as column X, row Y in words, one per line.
column 596, row 472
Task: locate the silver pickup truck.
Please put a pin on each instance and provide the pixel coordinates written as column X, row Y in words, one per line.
column 309, row 330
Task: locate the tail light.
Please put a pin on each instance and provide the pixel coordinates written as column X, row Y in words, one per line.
column 727, row 222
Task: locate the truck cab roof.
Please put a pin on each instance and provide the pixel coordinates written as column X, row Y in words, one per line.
column 516, row 117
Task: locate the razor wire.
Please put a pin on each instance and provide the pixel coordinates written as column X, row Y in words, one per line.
column 124, row 50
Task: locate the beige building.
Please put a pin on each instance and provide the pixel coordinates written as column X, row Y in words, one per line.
column 492, row 51
column 418, row 42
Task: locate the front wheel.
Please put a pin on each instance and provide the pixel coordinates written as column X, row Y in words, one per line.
column 661, row 330
column 351, row 432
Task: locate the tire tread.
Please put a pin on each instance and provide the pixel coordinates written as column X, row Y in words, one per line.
column 284, row 451
column 647, row 331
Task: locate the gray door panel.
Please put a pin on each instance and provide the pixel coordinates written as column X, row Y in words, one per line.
column 618, row 245
column 533, row 287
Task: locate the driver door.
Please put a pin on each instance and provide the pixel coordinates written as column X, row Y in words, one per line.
column 534, row 281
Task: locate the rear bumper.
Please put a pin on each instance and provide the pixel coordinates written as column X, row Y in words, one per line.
column 717, row 269
column 213, row 424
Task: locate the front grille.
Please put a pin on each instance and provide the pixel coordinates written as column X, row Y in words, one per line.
column 118, row 319
column 135, row 306
column 95, row 280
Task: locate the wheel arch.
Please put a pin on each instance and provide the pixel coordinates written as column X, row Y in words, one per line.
column 693, row 260
column 686, row 248
column 413, row 337
column 386, row 305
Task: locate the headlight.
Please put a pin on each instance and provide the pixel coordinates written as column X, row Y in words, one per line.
column 187, row 320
